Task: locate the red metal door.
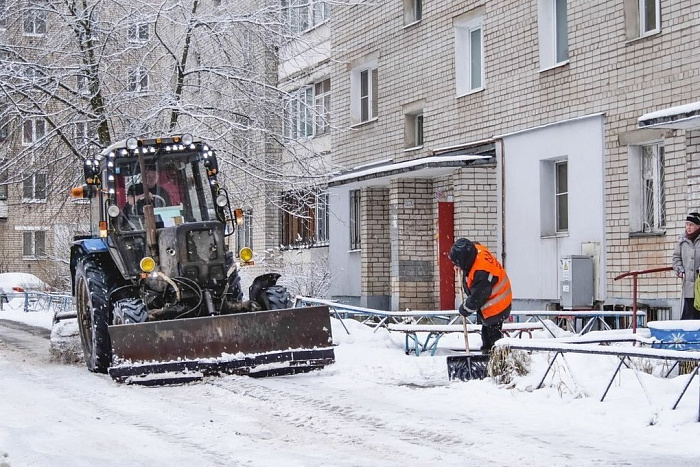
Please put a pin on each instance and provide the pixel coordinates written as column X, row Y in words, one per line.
column 446, row 229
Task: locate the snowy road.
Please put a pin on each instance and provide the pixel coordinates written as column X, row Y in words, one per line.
column 375, row 407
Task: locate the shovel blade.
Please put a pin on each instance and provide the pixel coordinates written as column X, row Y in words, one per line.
column 467, row 367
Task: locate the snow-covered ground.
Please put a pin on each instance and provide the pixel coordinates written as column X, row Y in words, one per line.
column 375, row 406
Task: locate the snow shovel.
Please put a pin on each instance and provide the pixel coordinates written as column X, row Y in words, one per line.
column 468, row 366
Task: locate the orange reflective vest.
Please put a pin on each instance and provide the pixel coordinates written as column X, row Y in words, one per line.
column 501, row 295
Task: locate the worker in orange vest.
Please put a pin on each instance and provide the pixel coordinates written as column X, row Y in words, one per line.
column 486, row 286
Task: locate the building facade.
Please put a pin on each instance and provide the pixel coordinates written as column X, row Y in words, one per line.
column 552, row 92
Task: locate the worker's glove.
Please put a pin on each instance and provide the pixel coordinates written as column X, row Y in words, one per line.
column 680, row 272
column 464, row 311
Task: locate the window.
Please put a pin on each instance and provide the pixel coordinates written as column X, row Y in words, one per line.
column 553, row 33
column 653, row 203
column 412, row 11
column 554, row 197
column 82, row 84
column 34, row 243
column 34, row 130
column 3, row 181
column 322, row 98
column 138, row 32
column 364, row 85
column 414, row 130
column 138, row 79
column 81, row 133
column 302, row 15
column 244, row 232
column 649, row 15
column 561, row 194
column 34, row 187
column 308, row 111
column 647, row 186
column 4, row 131
column 304, row 219
column 469, row 52
column 3, row 13
column 355, row 243
column 34, row 23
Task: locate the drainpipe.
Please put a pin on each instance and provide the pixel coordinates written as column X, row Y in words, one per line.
column 503, row 200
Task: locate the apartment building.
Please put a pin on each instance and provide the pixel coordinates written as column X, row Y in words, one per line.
column 548, row 130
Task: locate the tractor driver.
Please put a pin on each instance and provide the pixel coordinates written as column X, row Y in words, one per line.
column 135, row 198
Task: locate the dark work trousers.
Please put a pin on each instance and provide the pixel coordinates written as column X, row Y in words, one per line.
column 490, row 334
column 689, row 311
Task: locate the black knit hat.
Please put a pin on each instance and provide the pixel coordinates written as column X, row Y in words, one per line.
column 463, row 253
column 693, row 217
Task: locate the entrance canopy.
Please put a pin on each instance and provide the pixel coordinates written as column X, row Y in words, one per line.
column 681, row 117
column 381, row 173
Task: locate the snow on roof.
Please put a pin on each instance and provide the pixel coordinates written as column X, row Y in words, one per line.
column 407, row 166
column 678, row 116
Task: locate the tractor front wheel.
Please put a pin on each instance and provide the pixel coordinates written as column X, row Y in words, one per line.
column 93, row 315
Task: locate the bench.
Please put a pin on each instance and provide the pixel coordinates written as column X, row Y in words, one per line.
column 433, row 333
column 559, row 348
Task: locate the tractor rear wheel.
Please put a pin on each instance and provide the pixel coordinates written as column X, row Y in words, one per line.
column 93, row 315
column 276, row 297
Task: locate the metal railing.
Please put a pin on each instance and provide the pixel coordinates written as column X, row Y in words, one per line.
column 37, row 301
column 634, row 275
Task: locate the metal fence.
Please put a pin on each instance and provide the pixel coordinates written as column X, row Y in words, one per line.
column 37, row 301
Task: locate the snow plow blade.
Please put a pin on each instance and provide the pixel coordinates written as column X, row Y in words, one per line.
column 264, row 343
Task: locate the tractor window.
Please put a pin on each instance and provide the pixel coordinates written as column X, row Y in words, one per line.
column 179, row 191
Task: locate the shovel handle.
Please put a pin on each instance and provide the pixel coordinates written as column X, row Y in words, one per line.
column 466, row 334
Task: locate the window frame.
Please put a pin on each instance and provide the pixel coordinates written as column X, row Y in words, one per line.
column 3, row 14
column 551, row 38
column 136, row 77
column 4, row 177
column 561, row 198
column 34, row 187
column 35, row 16
column 33, row 244
column 35, row 135
column 355, row 221
column 299, row 224
column 322, row 102
column 464, row 56
column 412, row 12
column 640, row 212
column 642, row 9
column 135, row 33
column 550, row 215
column 364, row 103
column 301, row 16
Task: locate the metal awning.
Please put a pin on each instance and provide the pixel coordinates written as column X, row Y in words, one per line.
column 681, row 117
column 426, row 167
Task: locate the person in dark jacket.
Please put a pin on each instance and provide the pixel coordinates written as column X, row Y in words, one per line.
column 486, row 286
column 686, row 261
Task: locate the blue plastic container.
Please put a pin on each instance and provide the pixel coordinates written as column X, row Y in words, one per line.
column 675, row 334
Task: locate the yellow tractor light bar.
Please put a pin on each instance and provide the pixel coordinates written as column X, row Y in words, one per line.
column 147, row 264
column 246, row 254
column 84, row 191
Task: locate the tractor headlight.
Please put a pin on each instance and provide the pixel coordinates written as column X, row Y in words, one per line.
column 147, row 264
column 113, row 210
column 246, row 254
column 132, row 143
column 221, row 200
column 187, row 139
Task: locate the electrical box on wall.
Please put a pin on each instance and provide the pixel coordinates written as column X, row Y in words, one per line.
column 576, row 287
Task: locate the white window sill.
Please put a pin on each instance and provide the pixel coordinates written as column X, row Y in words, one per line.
column 367, row 122
column 469, row 93
column 355, row 251
column 554, row 236
column 643, row 36
column 413, row 148
column 409, row 25
column 33, row 201
column 556, row 65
